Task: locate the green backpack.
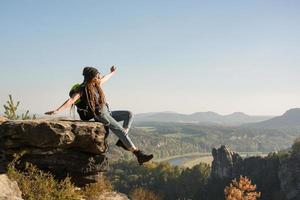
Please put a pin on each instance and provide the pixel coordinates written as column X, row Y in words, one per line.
column 83, row 109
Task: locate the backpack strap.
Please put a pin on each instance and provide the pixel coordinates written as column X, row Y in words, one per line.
column 76, row 88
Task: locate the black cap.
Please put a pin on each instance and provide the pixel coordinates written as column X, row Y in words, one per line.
column 89, row 73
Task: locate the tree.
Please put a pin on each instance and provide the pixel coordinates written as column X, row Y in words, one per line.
column 11, row 110
column 296, row 146
column 241, row 190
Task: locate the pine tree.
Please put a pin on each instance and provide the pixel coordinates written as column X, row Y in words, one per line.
column 11, row 110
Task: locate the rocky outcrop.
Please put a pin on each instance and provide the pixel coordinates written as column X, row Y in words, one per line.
column 225, row 163
column 3, row 119
column 289, row 175
column 276, row 176
column 73, row 148
column 9, row 190
column 112, row 196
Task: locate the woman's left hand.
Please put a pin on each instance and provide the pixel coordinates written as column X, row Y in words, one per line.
column 51, row 112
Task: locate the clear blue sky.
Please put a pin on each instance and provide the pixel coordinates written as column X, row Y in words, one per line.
column 183, row 56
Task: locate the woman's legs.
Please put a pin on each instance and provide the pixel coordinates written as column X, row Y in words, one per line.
column 123, row 115
column 126, row 117
column 114, row 126
column 105, row 117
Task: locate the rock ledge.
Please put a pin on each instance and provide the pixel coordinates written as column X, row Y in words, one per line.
column 63, row 147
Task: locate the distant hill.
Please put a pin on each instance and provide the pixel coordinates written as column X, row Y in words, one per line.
column 207, row 118
column 290, row 119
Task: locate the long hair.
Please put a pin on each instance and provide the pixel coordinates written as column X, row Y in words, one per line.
column 93, row 86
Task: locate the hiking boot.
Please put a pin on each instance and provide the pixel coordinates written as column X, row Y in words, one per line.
column 141, row 157
column 120, row 144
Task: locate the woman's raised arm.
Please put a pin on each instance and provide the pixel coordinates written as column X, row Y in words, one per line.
column 65, row 105
column 108, row 76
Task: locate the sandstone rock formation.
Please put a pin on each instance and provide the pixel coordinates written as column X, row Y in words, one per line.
column 289, row 175
column 112, row 196
column 273, row 175
column 3, row 119
column 73, row 148
column 225, row 163
column 9, row 190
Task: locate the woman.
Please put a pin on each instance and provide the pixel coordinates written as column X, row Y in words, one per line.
column 90, row 91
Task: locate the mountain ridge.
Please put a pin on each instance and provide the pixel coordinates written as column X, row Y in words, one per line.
column 291, row 118
column 209, row 117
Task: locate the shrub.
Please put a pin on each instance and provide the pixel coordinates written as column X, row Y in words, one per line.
column 36, row 184
column 94, row 190
column 143, row 194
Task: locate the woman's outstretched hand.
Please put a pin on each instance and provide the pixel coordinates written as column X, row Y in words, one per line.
column 113, row 69
column 53, row 112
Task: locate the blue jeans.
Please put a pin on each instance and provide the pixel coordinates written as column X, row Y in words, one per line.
column 111, row 119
